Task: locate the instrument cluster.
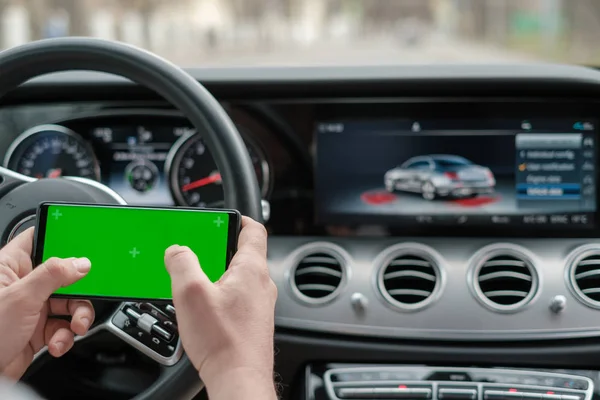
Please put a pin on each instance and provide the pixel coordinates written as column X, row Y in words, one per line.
column 153, row 158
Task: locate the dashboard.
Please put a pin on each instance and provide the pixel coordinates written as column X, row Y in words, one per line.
column 440, row 215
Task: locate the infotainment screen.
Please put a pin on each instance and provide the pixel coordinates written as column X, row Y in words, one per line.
column 459, row 172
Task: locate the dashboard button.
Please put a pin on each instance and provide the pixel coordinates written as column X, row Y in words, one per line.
column 121, row 320
column 457, row 394
column 146, row 322
column 531, row 396
column 355, row 393
column 449, row 376
column 345, row 377
column 501, row 395
column 551, row 397
column 570, row 397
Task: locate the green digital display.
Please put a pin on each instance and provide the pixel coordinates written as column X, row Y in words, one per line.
column 126, row 245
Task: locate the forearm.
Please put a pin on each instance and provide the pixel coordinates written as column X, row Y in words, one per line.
column 241, row 384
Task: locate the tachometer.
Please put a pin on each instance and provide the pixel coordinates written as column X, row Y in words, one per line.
column 51, row 151
column 193, row 175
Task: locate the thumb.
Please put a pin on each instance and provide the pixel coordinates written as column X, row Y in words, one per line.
column 185, row 271
column 54, row 274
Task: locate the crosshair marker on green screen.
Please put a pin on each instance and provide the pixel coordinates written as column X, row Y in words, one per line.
column 126, row 246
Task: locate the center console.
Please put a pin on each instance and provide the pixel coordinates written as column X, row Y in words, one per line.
column 343, row 381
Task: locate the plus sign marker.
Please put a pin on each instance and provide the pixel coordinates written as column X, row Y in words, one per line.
column 126, row 245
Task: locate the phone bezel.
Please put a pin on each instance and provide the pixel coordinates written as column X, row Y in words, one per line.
column 234, row 227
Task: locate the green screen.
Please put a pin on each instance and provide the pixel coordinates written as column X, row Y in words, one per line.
column 127, row 245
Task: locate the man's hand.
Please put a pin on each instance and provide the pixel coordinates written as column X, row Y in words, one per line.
column 227, row 327
column 26, row 312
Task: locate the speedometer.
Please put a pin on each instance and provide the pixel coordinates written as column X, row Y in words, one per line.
column 51, row 151
column 193, row 175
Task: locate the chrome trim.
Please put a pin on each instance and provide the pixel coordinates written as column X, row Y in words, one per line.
column 15, row 175
column 15, row 228
column 482, row 258
column 299, row 254
column 573, row 260
column 25, row 136
column 266, row 210
column 385, row 258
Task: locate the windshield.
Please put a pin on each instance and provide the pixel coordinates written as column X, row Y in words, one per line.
column 321, row 32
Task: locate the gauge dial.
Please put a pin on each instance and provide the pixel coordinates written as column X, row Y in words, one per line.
column 194, row 178
column 52, row 151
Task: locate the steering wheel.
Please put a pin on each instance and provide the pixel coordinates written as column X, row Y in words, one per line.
column 20, row 195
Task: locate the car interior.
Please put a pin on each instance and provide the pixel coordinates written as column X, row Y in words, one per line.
column 478, row 280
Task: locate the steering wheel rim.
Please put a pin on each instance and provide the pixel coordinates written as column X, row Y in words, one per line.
column 22, row 63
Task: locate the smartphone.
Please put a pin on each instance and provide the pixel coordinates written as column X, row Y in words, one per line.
column 126, row 245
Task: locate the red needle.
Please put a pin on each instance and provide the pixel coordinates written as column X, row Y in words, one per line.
column 202, row 182
column 54, row 173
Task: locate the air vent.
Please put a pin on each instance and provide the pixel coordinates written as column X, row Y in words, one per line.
column 319, row 273
column 409, row 279
column 585, row 277
column 505, row 280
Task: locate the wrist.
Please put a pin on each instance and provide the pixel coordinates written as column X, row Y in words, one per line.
column 240, row 383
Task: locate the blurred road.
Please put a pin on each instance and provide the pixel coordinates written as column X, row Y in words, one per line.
column 430, row 50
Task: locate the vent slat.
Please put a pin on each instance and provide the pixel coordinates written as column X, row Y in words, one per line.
column 584, row 263
column 586, row 276
column 505, row 263
column 505, row 280
column 409, row 280
column 320, row 260
column 318, row 270
column 409, row 273
column 506, row 293
column 504, row 274
column 409, row 292
column 404, row 262
column 316, row 286
column 318, row 275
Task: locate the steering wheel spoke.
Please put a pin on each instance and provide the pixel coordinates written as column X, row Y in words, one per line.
column 149, row 328
column 10, row 179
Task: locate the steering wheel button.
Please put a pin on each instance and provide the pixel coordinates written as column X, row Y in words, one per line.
column 121, row 320
column 170, row 309
column 146, row 322
column 161, row 332
column 132, row 314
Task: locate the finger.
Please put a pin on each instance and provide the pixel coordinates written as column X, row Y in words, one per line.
column 22, row 242
column 253, row 238
column 58, row 336
column 52, row 275
column 16, row 256
column 83, row 316
column 185, row 271
column 82, row 312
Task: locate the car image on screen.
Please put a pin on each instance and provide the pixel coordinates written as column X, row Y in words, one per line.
column 440, row 175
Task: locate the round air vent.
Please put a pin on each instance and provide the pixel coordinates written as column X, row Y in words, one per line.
column 318, row 273
column 409, row 277
column 504, row 278
column 584, row 275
